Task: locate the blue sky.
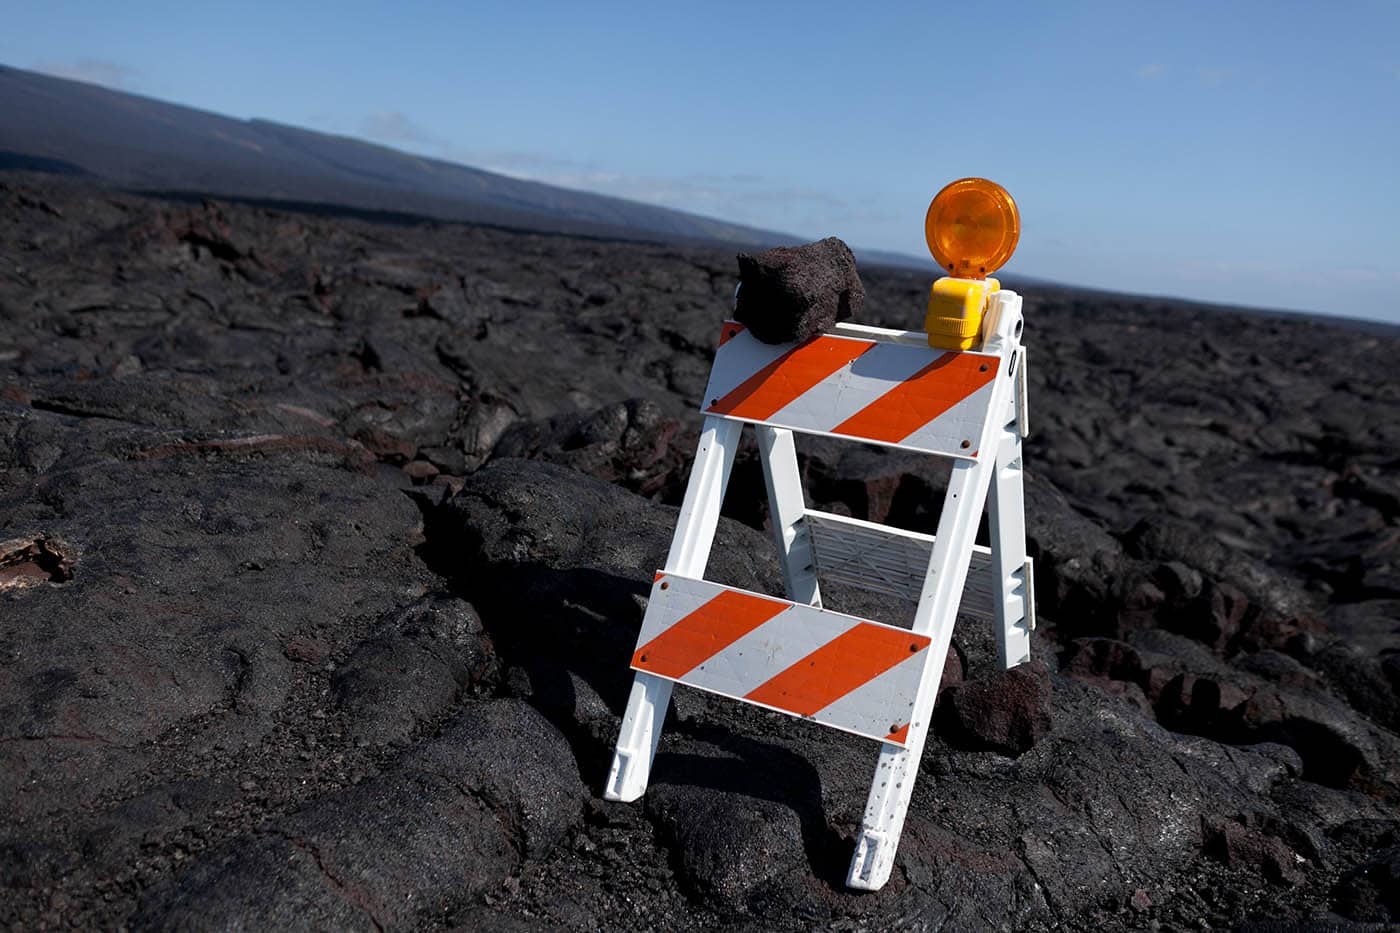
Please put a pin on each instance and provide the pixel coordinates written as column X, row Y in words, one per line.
column 1242, row 152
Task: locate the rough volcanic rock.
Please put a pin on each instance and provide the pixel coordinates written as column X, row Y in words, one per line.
column 734, row 848
column 224, row 561
column 562, row 564
column 1007, row 712
column 760, row 822
column 412, row 667
column 1214, row 593
column 577, row 539
column 1079, row 567
column 1194, row 691
column 1371, row 891
column 796, row 292
column 1102, row 658
column 1236, row 843
column 189, row 583
column 876, row 484
column 1370, row 684
column 630, row 443
column 1338, row 747
column 452, row 818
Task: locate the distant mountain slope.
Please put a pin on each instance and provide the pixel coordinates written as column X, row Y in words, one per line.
column 54, row 124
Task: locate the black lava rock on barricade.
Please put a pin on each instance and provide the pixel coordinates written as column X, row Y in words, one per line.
column 796, row 292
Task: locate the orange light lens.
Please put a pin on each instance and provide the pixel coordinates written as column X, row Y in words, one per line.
column 972, row 227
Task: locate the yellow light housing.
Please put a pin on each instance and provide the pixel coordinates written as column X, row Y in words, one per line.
column 954, row 317
column 972, row 227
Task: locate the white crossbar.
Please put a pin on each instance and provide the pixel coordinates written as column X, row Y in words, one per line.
column 891, row 561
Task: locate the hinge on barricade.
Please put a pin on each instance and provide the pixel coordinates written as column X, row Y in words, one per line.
column 869, row 678
column 1023, row 413
column 1030, row 594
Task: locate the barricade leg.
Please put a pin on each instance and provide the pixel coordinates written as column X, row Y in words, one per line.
column 1006, row 518
column 787, row 508
column 690, row 552
column 898, row 768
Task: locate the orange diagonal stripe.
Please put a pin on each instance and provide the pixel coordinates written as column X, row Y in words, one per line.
column 764, row 393
column 704, row 633
column 836, row 668
column 900, row 735
column 919, row 399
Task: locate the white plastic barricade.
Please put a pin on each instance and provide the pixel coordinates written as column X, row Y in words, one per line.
column 868, row 677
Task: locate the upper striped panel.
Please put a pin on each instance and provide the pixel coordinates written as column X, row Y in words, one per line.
column 912, row 397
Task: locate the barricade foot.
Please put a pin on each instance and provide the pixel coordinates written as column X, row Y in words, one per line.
column 872, row 862
column 636, row 743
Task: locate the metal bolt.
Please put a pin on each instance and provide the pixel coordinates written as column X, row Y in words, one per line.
column 914, row 647
column 965, row 445
column 665, row 585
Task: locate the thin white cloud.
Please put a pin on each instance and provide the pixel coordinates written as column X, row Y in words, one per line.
column 92, row 70
column 1284, row 273
column 1152, row 71
column 1213, row 77
column 742, row 197
column 739, row 197
column 394, row 126
column 533, row 166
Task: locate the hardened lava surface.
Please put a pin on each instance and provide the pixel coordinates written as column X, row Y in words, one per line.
column 324, row 541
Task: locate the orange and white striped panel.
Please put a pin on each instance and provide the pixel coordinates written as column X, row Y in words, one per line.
column 900, row 395
column 835, row 669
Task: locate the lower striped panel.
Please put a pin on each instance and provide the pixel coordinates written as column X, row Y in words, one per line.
column 851, row 674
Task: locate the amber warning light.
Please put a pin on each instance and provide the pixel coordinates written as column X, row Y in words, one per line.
column 972, row 227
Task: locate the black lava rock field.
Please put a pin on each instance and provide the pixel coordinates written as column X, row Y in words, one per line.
column 324, row 543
